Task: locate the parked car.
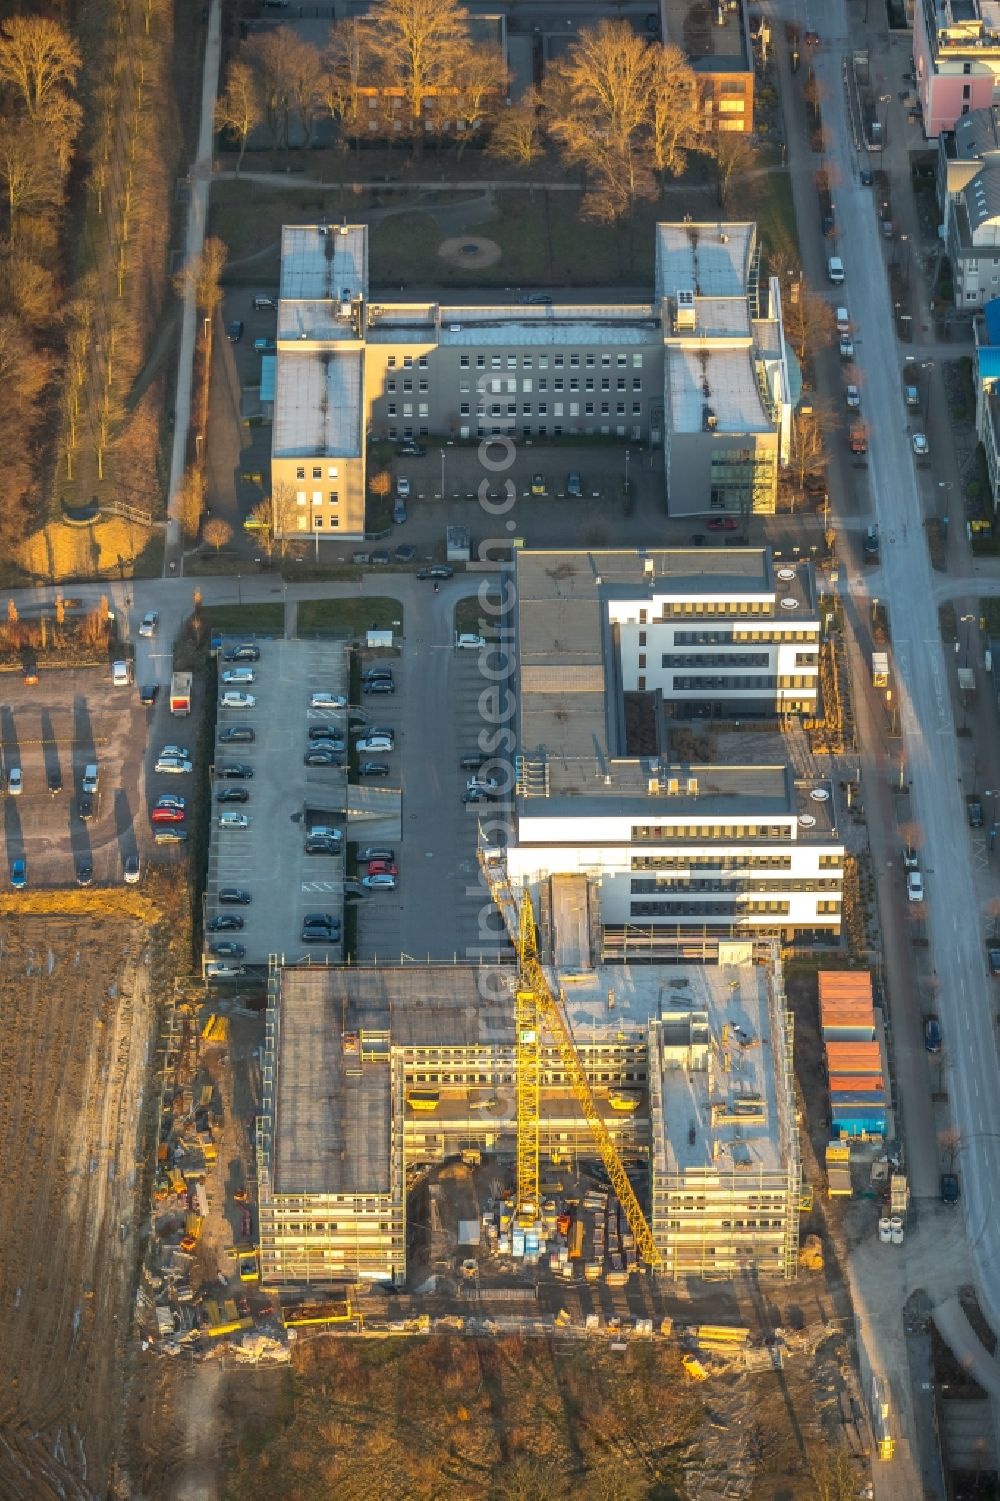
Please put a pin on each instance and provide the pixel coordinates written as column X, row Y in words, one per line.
column 233, row 821
column 379, row 883
column 237, row 734
column 19, row 873
column 234, row 771
column 327, row 732
column 176, row 752
column 866, row 176
column 245, row 652
column 411, row 450
column 574, row 485
column 233, row 699
column 327, row 701
column 974, row 809
column 167, row 815
column 85, row 806
column 147, row 625
column 234, row 331
column 373, row 769
column 468, row 641
column 993, row 955
column 914, row 886
column 852, row 396
column 383, row 868
column 320, row 755
column 921, row 447
column 374, row 743
column 264, row 346
column 148, row 695
column 439, row 571
column 226, row 922
column 322, row 847
column 950, row 1191
column 538, row 484
column 84, row 873
column 321, row 920
column 402, row 488
column 399, row 512
column 232, row 795
column 379, row 557
column 227, row 950
column 170, row 835
column 234, row 676
column 170, row 800
column 375, row 852
column 722, row 523
column 15, row 781
column 234, row 896
column 871, row 544
column 325, row 831
column 932, row 1034
column 379, row 685
column 55, row 782
column 405, row 553
column 132, row 870
column 911, row 860
column 173, row 765
column 378, row 670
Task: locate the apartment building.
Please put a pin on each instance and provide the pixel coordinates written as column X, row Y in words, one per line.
column 614, row 650
column 702, row 367
column 956, row 56
column 716, row 39
column 987, row 383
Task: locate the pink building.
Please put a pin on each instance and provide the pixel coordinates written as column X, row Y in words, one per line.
column 956, row 54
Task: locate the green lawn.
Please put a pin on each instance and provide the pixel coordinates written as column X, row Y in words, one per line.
column 350, row 617
column 260, row 617
column 472, row 619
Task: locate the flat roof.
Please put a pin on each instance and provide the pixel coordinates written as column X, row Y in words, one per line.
column 712, row 36
column 317, row 406
column 565, row 601
column 711, row 260
column 722, row 382
column 323, row 262
column 704, row 1127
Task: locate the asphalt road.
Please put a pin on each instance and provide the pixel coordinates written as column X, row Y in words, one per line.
column 965, row 1002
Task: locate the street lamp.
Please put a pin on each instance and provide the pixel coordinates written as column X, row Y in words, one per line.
column 966, row 620
column 442, row 474
column 884, row 100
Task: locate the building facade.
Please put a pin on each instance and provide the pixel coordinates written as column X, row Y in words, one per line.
column 716, row 39
column 702, row 368
column 956, row 56
column 614, row 649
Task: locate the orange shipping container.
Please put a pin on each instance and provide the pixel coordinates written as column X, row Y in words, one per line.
column 853, row 1058
column 856, row 1084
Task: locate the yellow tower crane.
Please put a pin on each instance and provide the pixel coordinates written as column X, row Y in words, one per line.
column 535, row 1003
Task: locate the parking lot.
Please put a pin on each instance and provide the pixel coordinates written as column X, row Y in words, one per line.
column 439, row 908
column 51, row 731
column 267, row 858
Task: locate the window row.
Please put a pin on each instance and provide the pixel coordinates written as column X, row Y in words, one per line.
column 559, row 361
column 709, row 909
column 317, row 471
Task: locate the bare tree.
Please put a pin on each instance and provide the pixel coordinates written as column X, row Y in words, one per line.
column 344, row 69
column 273, row 514
column 27, row 171
column 600, row 99
column 480, row 81
column 516, row 135
column 809, row 456
column 204, row 275
column 678, row 121
column 733, row 157
column 418, row 47
column 40, row 61
column 192, row 501
column 239, row 111
column 809, row 323
column 217, row 532
column 289, row 71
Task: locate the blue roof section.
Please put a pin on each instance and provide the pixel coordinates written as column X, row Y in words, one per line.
column 268, row 371
column 989, row 363
column 991, row 313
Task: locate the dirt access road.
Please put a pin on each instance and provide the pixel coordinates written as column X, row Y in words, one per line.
column 77, row 1014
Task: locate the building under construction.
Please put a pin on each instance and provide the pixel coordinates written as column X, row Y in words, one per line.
column 370, row 1074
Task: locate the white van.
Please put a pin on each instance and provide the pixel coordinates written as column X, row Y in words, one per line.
column 835, row 270
column 843, row 321
column 91, row 777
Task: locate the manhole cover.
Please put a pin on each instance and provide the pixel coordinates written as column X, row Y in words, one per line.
column 470, row 248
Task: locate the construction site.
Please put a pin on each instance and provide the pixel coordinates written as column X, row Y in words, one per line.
column 673, row 1085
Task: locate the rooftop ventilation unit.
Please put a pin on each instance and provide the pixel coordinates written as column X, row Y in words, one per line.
column 709, row 421
column 685, row 314
column 692, row 786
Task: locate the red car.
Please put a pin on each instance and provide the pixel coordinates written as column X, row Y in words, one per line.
column 722, row 523
column 382, row 868
column 167, row 815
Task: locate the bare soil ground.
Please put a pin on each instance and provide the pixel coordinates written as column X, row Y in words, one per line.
column 77, row 1013
column 503, row 1419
